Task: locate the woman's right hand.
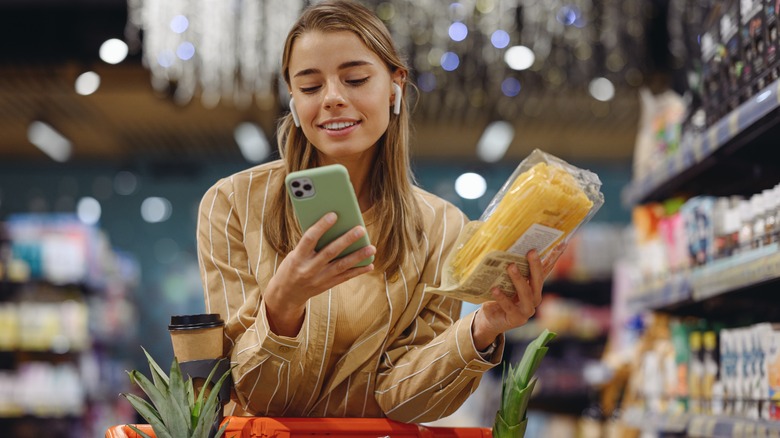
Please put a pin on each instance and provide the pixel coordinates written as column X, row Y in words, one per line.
column 306, row 273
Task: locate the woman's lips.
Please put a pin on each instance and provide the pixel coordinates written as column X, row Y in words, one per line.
column 339, row 129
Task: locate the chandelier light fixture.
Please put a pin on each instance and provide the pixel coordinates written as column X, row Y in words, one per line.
column 471, row 57
column 223, row 50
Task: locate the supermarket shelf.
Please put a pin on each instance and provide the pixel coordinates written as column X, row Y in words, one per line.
column 736, row 275
column 702, row 426
column 568, row 404
column 750, row 123
column 664, row 294
column 595, row 291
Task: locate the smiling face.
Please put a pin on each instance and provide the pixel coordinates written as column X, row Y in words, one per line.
column 343, row 95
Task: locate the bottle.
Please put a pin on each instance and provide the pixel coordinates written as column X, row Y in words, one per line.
column 695, row 373
column 710, row 364
column 745, row 226
column 731, row 229
column 773, row 216
column 719, row 227
column 758, row 207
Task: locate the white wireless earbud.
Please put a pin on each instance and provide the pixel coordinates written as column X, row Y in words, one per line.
column 398, row 94
column 294, row 113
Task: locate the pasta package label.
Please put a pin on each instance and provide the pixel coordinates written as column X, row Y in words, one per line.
column 540, row 206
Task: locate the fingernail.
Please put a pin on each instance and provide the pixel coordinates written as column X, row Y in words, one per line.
column 358, row 231
column 369, row 250
column 513, row 268
column 330, row 217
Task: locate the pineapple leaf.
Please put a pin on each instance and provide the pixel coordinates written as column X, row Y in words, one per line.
column 150, row 414
column 210, row 408
column 157, row 372
column 139, row 431
column 160, row 400
column 178, row 399
column 221, row 430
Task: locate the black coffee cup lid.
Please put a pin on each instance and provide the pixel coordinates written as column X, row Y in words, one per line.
column 189, row 322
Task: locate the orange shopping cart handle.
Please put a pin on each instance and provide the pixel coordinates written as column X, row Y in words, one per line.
column 276, row 427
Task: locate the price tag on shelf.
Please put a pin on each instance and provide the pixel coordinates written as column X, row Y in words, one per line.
column 738, row 429
column 679, row 160
column 708, row 428
column 734, row 123
column 696, row 427
column 750, row 428
column 698, row 148
column 712, row 136
column 761, row 430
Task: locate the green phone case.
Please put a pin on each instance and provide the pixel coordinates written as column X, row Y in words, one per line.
column 318, row 191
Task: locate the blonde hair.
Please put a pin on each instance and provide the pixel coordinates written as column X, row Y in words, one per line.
column 392, row 192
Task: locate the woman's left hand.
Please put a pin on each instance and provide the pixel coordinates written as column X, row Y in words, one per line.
column 506, row 313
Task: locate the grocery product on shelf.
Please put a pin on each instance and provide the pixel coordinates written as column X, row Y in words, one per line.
column 66, row 313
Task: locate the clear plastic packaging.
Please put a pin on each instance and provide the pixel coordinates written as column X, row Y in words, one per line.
column 540, row 206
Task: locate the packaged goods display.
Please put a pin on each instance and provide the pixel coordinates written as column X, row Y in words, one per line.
column 718, row 233
column 772, row 60
column 753, row 34
column 733, row 64
column 540, row 206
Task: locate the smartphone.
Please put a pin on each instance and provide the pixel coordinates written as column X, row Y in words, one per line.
column 321, row 190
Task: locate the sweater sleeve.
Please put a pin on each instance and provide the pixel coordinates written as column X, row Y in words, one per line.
column 433, row 366
column 266, row 367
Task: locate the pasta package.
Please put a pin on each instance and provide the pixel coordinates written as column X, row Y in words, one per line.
column 540, row 206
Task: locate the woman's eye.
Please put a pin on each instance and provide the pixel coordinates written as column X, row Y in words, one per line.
column 309, row 90
column 360, row 81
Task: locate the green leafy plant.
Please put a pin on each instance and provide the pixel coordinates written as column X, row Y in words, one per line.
column 175, row 410
column 517, row 386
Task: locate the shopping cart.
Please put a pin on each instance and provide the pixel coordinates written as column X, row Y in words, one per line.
column 268, row 427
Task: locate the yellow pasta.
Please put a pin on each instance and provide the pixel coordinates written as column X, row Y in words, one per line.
column 544, row 194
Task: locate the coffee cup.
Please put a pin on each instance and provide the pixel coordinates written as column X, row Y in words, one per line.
column 196, row 337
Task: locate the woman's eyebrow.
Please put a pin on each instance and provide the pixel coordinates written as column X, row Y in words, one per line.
column 342, row 66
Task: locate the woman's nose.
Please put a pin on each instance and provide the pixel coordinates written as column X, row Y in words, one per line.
column 333, row 97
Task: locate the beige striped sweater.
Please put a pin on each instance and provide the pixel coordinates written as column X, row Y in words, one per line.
column 370, row 347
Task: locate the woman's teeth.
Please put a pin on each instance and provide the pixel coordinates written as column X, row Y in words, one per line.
column 339, row 125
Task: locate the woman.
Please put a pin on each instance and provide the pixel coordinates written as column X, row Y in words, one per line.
column 309, row 335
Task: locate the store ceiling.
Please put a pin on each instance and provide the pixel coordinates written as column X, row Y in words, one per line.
column 47, row 44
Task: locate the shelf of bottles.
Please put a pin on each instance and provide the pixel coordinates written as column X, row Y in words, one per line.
column 697, row 145
column 697, row 378
column 66, row 312
column 698, row 249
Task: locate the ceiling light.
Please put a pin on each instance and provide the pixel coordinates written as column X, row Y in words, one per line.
column 519, row 57
column 470, row 185
column 155, row 209
column 125, row 183
column 49, row 140
column 450, row 61
column 495, row 141
column 499, row 39
column 88, row 210
column 87, row 83
column 185, row 51
column 113, row 51
column 510, row 87
column 179, row 24
column 601, row 89
column 252, row 142
column 458, row 31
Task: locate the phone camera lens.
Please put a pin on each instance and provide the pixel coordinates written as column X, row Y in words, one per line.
column 296, row 184
column 298, row 193
column 307, row 187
